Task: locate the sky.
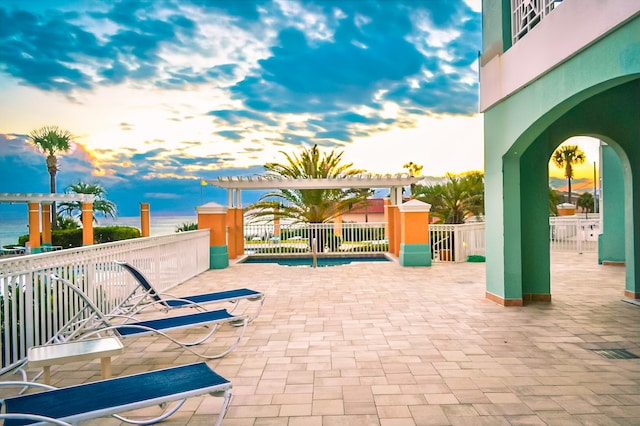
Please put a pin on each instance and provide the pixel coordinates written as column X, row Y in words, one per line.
column 162, row 94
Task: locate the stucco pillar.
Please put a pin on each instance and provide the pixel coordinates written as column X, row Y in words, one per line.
column 232, row 229
column 239, row 231
column 337, row 227
column 415, row 247
column 87, row 224
column 46, row 224
column 34, row 227
column 566, row 209
column 213, row 216
column 145, row 220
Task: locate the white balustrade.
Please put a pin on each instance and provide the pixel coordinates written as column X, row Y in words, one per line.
column 33, row 307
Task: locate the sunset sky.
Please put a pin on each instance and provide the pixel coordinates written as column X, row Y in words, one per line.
column 161, row 94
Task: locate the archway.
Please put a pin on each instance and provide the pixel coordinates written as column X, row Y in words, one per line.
column 608, row 112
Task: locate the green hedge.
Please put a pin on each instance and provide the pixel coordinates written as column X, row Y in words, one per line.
column 69, row 238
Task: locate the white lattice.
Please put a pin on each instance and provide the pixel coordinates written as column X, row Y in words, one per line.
column 526, row 14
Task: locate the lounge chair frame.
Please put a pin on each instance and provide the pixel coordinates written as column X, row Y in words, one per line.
column 146, row 295
column 113, row 396
column 90, row 321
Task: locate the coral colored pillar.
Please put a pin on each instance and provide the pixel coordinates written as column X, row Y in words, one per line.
column 145, row 228
column 213, row 216
column 415, row 247
column 233, row 228
column 391, row 212
column 337, row 226
column 34, row 227
column 239, row 231
column 87, row 224
column 46, row 224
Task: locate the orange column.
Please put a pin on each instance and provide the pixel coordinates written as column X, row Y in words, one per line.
column 232, row 227
column 144, row 220
column 87, row 224
column 337, row 226
column 239, row 231
column 415, row 248
column 46, row 224
column 213, row 216
column 34, row 227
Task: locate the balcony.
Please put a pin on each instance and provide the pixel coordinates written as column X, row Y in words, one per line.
column 526, row 14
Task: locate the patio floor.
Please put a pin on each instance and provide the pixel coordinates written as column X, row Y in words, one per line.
column 379, row 344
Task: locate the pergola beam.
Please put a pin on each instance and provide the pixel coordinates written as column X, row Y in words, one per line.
column 341, row 182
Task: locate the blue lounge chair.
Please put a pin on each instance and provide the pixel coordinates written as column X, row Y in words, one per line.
column 112, row 396
column 90, row 321
column 150, row 296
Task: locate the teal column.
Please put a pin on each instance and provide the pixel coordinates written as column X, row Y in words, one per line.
column 611, row 241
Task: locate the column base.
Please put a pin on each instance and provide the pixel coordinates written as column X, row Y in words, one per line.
column 631, row 294
column 545, row 298
column 415, row 254
column 502, row 301
column 218, row 257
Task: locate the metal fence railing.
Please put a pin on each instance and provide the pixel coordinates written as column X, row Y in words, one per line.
column 574, row 234
column 335, row 238
column 455, row 243
column 33, row 307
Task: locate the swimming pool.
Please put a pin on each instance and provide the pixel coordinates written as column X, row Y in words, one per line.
column 308, row 261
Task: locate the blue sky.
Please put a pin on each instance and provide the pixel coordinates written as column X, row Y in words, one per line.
column 161, row 94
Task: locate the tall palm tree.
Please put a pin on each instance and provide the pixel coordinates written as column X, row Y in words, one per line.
column 308, row 205
column 456, row 199
column 566, row 157
column 414, row 170
column 100, row 205
column 51, row 140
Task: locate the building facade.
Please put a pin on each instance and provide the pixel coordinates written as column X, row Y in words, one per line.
column 551, row 70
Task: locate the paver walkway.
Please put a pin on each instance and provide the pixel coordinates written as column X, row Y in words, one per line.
column 379, row 344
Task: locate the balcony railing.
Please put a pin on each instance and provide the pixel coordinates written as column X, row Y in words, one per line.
column 330, row 238
column 33, row 307
column 526, row 14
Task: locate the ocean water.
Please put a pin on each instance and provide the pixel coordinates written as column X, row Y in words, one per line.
column 11, row 228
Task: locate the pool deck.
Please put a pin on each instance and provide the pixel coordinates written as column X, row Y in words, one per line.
column 380, row 344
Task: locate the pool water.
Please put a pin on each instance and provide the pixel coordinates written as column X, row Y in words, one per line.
column 307, row 261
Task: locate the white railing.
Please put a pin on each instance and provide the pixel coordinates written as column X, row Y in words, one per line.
column 455, row 243
column 526, row 14
column 574, row 234
column 33, row 307
column 335, row 238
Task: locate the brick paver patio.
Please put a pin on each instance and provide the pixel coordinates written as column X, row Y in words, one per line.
column 379, row 344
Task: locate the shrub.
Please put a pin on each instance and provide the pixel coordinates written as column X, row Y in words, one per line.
column 68, row 238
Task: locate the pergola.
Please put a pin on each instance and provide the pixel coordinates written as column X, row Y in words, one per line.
column 393, row 182
column 40, row 206
column 407, row 224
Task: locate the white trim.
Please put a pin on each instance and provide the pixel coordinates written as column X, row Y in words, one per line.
column 276, row 182
column 414, row 206
column 6, row 197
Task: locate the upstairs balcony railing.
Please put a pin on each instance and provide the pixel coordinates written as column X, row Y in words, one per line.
column 526, row 14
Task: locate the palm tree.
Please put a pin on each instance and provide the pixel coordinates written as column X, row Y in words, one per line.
column 456, row 199
column 585, row 200
column 566, row 157
column 51, row 140
column 414, row 171
column 308, row 205
column 100, row 204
